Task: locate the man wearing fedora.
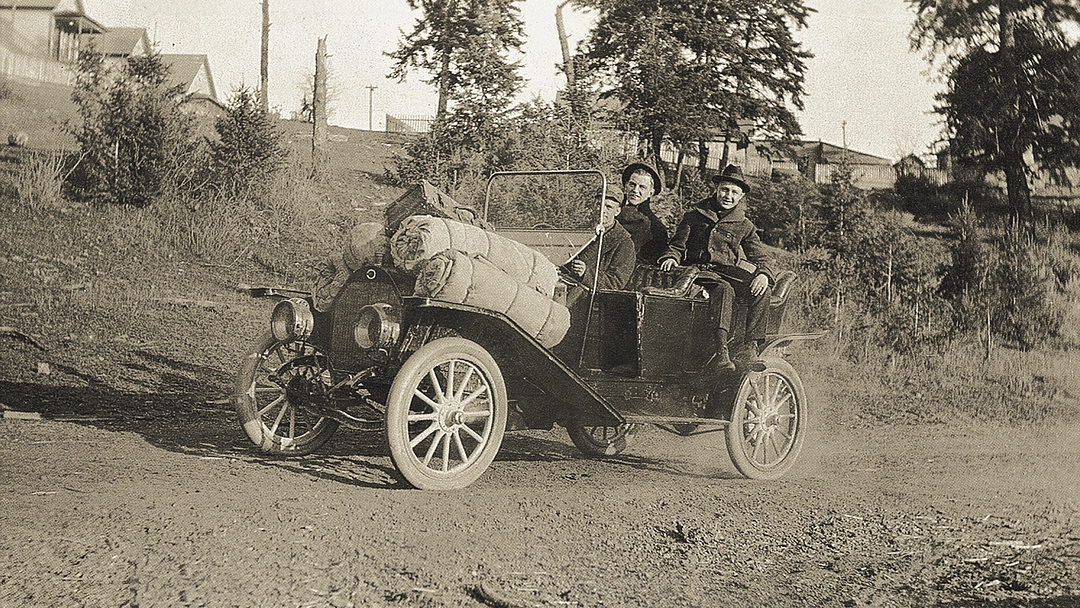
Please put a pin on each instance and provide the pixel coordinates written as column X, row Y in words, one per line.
column 716, row 235
column 640, row 183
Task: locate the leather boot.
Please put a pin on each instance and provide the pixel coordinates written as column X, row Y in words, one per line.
column 721, row 360
column 751, row 356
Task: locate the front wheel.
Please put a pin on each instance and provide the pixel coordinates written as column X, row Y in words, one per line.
column 275, row 383
column 768, row 421
column 446, row 414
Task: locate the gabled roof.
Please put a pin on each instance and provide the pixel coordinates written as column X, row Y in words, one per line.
column 186, row 70
column 32, row 4
column 121, row 42
column 72, row 9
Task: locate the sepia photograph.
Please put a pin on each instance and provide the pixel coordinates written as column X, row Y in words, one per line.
column 540, row 303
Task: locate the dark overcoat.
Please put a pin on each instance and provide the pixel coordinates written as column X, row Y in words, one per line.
column 647, row 231
column 616, row 259
column 703, row 237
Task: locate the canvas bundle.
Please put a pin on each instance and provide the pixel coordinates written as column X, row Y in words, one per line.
column 456, row 276
column 421, row 237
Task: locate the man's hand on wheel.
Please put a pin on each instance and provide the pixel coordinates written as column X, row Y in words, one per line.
column 668, row 264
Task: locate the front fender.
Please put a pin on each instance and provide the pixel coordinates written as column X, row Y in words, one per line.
column 544, row 387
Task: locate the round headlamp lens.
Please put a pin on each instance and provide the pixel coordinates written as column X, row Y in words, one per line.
column 375, row 327
column 292, row 320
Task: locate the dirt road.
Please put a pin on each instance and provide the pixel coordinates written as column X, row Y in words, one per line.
column 173, row 508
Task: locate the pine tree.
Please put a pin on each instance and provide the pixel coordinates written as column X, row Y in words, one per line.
column 463, row 45
column 687, row 70
column 1012, row 68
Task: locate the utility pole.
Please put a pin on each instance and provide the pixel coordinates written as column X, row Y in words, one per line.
column 264, row 58
column 370, row 90
column 320, row 157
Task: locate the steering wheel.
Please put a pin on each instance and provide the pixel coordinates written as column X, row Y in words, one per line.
column 542, row 225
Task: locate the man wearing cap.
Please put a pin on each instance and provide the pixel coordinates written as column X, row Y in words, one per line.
column 616, row 256
column 640, row 183
column 715, row 235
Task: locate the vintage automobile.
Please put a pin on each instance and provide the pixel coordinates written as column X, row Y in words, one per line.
column 444, row 380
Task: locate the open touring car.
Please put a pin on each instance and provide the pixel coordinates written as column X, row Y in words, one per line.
column 444, row 378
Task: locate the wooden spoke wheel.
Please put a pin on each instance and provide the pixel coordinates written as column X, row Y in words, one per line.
column 446, row 414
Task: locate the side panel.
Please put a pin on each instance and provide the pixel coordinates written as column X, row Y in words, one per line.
column 649, row 336
column 546, row 389
column 676, row 335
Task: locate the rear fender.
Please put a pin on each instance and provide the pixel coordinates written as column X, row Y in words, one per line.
column 545, row 388
column 786, row 339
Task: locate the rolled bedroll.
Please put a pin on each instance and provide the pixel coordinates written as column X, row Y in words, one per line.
column 421, row 237
column 456, row 276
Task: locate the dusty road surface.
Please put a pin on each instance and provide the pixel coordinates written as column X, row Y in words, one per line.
column 172, row 507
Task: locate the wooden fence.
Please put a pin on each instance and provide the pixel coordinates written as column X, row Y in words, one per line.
column 35, row 69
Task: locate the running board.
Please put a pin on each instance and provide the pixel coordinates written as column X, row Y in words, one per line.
column 646, row 419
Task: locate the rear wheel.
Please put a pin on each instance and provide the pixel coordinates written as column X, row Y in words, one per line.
column 768, row 421
column 446, row 414
column 599, row 440
column 275, row 383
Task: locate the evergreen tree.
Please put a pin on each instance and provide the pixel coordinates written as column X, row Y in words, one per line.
column 134, row 134
column 1012, row 67
column 464, row 46
column 249, row 149
column 685, row 71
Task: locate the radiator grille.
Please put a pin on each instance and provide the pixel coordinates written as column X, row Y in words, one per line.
column 365, row 287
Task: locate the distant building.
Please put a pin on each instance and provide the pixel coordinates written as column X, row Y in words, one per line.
column 119, row 43
column 192, row 74
column 814, row 160
column 51, row 29
column 40, row 40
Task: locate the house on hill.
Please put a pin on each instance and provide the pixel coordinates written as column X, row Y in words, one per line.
column 192, row 74
column 119, row 43
column 40, row 41
column 52, row 29
column 814, row 160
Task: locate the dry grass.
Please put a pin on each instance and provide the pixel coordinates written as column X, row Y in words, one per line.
column 38, row 181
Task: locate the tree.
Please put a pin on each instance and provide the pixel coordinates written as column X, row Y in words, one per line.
column 1012, row 67
column 686, row 70
column 135, row 138
column 463, row 45
column 249, row 146
column 320, row 130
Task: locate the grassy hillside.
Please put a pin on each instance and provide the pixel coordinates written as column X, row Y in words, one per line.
column 41, row 111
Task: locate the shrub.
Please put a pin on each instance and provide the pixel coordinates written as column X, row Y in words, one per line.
column 921, row 197
column 786, row 211
column 136, row 141
column 1005, row 277
column 249, row 147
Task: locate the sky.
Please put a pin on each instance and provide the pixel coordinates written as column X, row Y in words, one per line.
column 863, row 85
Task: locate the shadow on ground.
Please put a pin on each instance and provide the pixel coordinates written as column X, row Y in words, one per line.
column 184, row 408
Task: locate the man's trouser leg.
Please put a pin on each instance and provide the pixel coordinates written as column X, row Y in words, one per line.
column 724, row 294
column 757, row 316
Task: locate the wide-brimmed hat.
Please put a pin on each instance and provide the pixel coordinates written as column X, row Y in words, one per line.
column 634, row 167
column 733, row 174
